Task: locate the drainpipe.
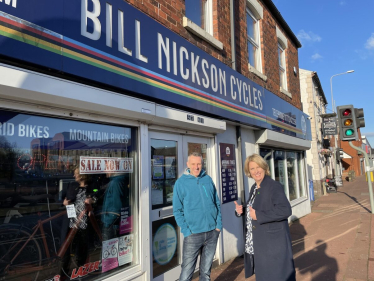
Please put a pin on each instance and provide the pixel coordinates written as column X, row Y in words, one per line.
column 232, row 30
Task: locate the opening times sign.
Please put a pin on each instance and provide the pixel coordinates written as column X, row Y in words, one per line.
column 228, row 173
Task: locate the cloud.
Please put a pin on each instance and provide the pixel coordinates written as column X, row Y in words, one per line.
column 342, row 3
column 370, row 42
column 308, row 36
column 362, row 54
column 316, row 56
column 370, row 134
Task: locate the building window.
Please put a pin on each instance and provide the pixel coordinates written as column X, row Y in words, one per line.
column 282, row 67
column 68, row 192
column 200, row 13
column 253, row 41
column 287, row 168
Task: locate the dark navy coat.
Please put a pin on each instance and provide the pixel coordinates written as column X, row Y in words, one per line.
column 273, row 259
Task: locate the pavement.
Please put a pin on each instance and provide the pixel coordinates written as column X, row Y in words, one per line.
column 335, row 242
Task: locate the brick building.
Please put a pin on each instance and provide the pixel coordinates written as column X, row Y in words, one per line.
column 314, row 104
column 352, row 160
column 117, row 94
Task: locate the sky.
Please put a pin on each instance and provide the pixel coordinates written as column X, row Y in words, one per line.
column 337, row 36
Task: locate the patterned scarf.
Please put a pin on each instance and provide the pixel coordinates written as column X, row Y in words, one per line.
column 249, row 236
column 79, row 207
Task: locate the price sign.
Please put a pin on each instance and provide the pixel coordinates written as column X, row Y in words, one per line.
column 228, row 173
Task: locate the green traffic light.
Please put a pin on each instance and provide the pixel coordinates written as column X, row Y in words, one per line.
column 349, row 132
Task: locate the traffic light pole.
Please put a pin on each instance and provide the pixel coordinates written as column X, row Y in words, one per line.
column 368, row 170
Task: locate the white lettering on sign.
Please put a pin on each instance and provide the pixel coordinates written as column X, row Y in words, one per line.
column 172, row 57
column 85, row 15
column 24, row 130
column 14, row 2
column 96, row 32
column 85, row 135
column 102, row 165
column 284, row 116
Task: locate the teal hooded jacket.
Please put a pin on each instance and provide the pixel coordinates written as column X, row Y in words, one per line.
column 196, row 206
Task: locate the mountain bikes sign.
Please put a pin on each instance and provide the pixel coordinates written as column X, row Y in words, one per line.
column 103, row 165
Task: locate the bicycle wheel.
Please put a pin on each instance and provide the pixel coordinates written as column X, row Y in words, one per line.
column 27, row 263
column 106, row 254
column 114, row 251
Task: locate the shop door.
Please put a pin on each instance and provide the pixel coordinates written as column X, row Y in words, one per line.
column 168, row 158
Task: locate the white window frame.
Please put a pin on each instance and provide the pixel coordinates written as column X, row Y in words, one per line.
column 282, row 45
column 282, row 66
column 255, row 42
column 207, row 32
column 207, row 17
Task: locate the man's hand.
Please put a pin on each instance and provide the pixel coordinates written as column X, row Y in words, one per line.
column 66, row 202
column 218, row 230
column 252, row 213
column 238, row 208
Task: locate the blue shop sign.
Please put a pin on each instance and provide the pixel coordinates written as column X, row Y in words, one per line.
column 112, row 42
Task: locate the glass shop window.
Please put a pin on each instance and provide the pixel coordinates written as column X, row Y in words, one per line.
column 279, row 167
column 292, row 175
column 267, row 154
column 288, row 168
column 68, row 198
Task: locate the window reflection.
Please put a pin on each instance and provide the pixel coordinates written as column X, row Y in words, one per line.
column 71, row 188
column 279, row 168
column 300, row 160
column 164, row 167
column 291, row 175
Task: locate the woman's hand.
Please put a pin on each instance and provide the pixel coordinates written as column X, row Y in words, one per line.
column 88, row 201
column 252, row 213
column 66, row 202
column 238, row 208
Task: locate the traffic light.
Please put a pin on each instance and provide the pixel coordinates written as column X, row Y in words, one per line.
column 349, row 120
column 359, row 115
column 339, row 155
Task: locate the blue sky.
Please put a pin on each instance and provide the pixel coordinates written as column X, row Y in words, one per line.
column 337, row 36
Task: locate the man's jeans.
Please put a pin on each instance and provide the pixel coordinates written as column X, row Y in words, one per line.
column 192, row 244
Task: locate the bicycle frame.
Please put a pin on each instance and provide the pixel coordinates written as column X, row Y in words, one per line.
column 64, row 246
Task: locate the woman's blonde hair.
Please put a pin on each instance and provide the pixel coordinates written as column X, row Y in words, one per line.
column 259, row 161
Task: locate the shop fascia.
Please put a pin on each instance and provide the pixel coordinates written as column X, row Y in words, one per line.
column 187, row 64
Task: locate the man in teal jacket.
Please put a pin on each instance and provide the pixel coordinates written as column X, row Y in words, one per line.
column 197, row 210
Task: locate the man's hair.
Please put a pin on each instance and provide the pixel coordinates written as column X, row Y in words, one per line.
column 259, row 161
column 195, row 154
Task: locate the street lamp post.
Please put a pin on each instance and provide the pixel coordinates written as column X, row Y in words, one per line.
column 338, row 178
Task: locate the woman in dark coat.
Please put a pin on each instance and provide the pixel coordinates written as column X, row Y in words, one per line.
column 267, row 232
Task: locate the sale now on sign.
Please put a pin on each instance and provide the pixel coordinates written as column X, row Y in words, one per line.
column 102, row 165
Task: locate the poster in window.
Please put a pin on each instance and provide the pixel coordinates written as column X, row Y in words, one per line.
column 109, row 254
column 228, row 172
column 158, row 167
column 157, row 193
column 126, row 221
column 125, row 247
column 169, row 189
column 170, row 167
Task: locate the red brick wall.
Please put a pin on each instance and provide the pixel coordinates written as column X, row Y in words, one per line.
column 170, row 13
column 353, row 163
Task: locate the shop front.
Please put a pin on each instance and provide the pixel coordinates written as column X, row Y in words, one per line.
column 68, row 197
column 95, row 129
